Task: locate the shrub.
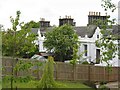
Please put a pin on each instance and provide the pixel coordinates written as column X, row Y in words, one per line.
column 47, row 80
column 103, row 87
column 85, row 62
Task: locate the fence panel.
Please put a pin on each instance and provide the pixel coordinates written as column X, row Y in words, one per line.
column 65, row 71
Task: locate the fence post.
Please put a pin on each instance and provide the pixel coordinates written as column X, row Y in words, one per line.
column 104, row 73
column 38, row 72
column 118, row 77
column 89, row 73
column 74, row 72
column 55, row 70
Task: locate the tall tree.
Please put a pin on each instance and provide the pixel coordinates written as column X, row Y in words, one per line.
column 18, row 41
column 61, row 42
column 107, row 40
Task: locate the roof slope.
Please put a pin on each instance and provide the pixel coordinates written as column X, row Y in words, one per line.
column 35, row 30
column 82, row 30
column 86, row 30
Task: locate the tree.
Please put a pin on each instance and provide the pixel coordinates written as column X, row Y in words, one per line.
column 47, row 80
column 20, row 42
column 61, row 42
column 33, row 24
column 106, row 42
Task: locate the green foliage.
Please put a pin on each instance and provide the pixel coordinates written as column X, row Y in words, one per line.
column 107, row 4
column 21, row 79
column 47, row 80
column 108, row 48
column 33, row 24
column 61, row 41
column 103, row 87
column 18, row 42
column 33, row 84
column 85, row 62
column 23, row 66
column 107, row 39
column 75, row 50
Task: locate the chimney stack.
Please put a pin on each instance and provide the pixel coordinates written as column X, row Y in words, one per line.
column 66, row 20
column 44, row 23
column 95, row 16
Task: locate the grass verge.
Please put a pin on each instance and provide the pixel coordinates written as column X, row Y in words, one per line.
column 33, row 84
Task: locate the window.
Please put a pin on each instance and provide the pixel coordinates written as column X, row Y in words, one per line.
column 97, row 36
column 42, row 35
column 97, row 56
column 85, row 49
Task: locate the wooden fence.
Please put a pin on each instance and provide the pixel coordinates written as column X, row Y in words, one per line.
column 65, row 71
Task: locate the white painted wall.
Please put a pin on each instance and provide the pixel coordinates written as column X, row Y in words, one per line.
column 92, row 49
column 40, row 41
column 90, row 42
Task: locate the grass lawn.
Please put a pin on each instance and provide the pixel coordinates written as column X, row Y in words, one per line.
column 0, row 85
column 33, row 84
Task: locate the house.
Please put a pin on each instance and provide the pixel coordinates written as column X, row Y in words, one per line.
column 87, row 37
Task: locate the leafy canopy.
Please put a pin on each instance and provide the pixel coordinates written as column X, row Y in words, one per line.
column 19, row 42
column 107, row 41
column 61, row 41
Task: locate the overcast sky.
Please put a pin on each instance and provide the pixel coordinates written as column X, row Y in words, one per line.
column 51, row 10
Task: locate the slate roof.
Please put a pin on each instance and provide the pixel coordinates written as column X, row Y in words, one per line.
column 34, row 30
column 116, row 29
column 46, row 29
column 81, row 30
column 85, row 30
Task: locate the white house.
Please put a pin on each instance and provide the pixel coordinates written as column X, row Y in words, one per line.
column 93, row 52
column 87, row 37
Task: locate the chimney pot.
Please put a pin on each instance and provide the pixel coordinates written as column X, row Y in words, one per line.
column 60, row 17
column 99, row 13
column 106, row 13
column 94, row 13
column 65, row 16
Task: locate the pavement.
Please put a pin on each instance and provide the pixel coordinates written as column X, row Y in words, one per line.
column 113, row 85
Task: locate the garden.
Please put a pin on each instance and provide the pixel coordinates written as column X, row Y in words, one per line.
column 47, row 80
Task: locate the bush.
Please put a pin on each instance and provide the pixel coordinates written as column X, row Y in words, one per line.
column 47, row 80
column 85, row 62
column 103, row 87
column 103, row 82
